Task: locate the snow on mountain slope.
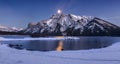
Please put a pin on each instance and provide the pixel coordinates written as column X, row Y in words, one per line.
column 9, row 29
column 109, row 55
column 72, row 25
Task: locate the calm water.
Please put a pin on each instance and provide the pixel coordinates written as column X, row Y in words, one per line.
column 58, row 43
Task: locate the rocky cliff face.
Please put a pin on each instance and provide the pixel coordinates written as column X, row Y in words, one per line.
column 72, row 25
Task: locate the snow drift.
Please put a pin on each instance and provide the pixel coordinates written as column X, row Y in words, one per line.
column 95, row 56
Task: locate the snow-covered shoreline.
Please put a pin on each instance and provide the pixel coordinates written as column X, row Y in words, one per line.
column 109, row 55
column 40, row 38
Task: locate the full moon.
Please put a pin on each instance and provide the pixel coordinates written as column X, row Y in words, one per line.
column 59, row 11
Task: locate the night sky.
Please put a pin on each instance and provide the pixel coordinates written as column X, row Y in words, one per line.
column 20, row 12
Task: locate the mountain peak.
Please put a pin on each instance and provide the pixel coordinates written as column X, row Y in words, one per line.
column 72, row 25
column 72, row 16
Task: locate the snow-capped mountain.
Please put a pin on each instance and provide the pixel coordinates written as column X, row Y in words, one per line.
column 8, row 30
column 72, row 25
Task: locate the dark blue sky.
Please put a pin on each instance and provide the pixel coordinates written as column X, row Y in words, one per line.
column 20, row 12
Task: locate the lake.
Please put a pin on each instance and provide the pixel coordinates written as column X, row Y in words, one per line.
column 57, row 43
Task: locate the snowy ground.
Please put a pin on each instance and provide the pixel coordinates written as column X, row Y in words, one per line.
column 109, row 55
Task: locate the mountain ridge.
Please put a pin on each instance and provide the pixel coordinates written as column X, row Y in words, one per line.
column 72, row 25
column 65, row 25
column 4, row 30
